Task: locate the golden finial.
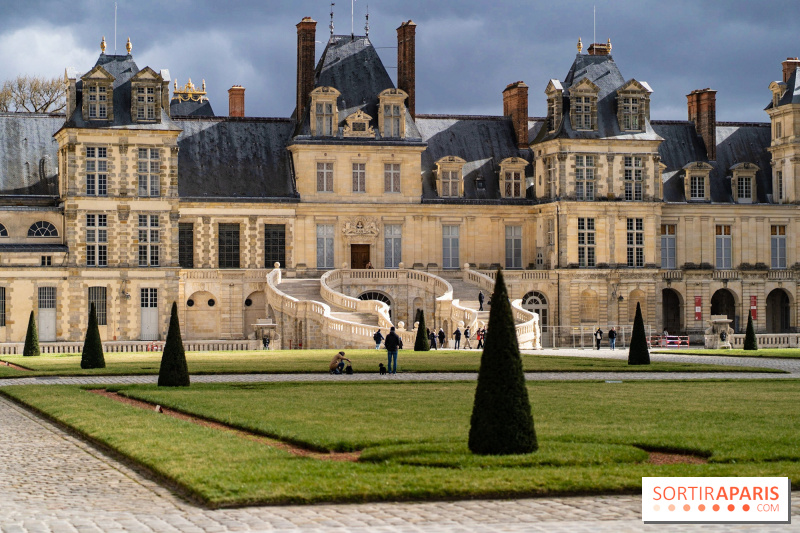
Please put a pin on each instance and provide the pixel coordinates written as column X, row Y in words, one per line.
column 128, row 46
column 580, row 45
column 103, row 45
column 204, row 84
column 176, row 84
column 609, row 44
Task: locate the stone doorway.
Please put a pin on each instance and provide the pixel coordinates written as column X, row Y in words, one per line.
column 778, row 312
column 723, row 303
column 671, row 311
column 359, row 255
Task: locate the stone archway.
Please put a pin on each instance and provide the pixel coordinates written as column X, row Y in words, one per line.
column 202, row 316
column 779, row 311
column 255, row 308
column 724, row 303
column 536, row 302
column 671, row 311
column 381, row 297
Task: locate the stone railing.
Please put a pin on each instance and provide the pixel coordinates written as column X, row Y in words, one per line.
column 11, row 348
column 332, row 281
column 725, row 274
column 780, row 274
column 672, row 275
column 769, row 340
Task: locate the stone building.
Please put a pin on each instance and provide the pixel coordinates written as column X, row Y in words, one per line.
column 136, row 198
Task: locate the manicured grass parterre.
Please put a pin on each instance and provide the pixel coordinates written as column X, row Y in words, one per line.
column 781, row 353
column 317, row 361
column 413, row 437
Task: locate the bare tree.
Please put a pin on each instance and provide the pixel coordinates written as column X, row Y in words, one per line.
column 34, row 94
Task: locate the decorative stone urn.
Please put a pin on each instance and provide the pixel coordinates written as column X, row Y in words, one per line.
column 718, row 334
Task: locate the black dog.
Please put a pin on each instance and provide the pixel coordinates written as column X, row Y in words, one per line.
column 381, row 368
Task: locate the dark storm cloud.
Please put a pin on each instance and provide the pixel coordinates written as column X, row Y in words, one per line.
column 467, row 50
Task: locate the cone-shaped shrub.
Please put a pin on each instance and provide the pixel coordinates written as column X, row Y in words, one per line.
column 92, row 355
column 421, row 343
column 173, row 371
column 638, row 354
column 31, row 338
column 750, row 342
column 501, row 415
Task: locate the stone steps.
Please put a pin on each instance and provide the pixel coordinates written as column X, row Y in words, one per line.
column 308, row 289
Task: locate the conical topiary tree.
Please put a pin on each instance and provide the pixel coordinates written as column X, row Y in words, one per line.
column 638, row 354
column 750, row 341
column 501, row 415
column 31, row 339
column 173, row 371
column 422, row 343
column 92, row 355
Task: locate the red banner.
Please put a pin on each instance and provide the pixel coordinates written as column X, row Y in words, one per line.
column 754, row 306
column 698, row 308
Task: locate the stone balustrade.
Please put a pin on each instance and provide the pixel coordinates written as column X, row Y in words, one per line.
column 768, row 340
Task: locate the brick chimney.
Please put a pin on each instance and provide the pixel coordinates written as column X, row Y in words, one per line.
column 515, row 105
column 306, row 33
column 406, row 62
column 236, row 101
column 703, row 112
column 600, row 49
column 789, row 66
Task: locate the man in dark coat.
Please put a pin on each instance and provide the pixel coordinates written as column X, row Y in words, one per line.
column 393, row 343
column 457, row 337
column 441, row 337
column 480, row 300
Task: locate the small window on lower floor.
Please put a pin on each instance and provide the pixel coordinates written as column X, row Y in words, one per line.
column 47, row 260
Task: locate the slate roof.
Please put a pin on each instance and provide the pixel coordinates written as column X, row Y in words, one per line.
column 178, row 108
column 29, row 154
column 792, row 94
column 352, row 66
column 224, row 157
column 482, row 141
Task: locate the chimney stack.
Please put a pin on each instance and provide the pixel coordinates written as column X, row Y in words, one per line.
column 306, row 51
column 236, row 101
column 406, row 62
column 789, row 66
column 515, row 105
column 703, row 112
column 600, row 49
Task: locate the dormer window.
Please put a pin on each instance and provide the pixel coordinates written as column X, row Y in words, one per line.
column 357, row 125
column 324, row 112
column 512, row 177
column 698, row 188
column 696, row 181
column 449, row 171
column 554, row 94
column 145, row 99
column 633, row 105
column 583, row 112
column 146, row 87
column 630, row 113
column 97, row 95
column 743, row 183
column 392, row 111
column 98, row 102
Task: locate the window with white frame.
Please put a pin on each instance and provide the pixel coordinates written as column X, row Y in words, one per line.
column 552, row 173
column 698, row 188
column 391, row 177
column 723, row 241
column 635, row 241
column 96, row 171
column 359, row 177
column 450, row 183
column 586, row 241
column 668, row 232
column 778, row 246
column 744, row 189
column 148, row 240
column 630, row 113
column 325, row 122
column 97, row 296
column 584, row 177
column 450, row 247
column 583, row 112
column 96, row 240
column 633, row 178
column 149, row 172
column 512, row 184
column 391, row 120
column 145, row 99
column 325, row 234
column 392, row 245
column 98, row 101
column 324, row 177
column 513, row 246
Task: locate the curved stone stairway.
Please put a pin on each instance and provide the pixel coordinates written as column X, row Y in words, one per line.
column 309, row 289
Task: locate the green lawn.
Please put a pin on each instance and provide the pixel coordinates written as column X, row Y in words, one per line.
column 413, row 437
column 316, row 361
column 782, row 353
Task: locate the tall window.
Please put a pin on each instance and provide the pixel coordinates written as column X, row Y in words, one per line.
column 778, row 246
column 96, row 240
column 586, row 257
column 391, row 177
column 324, row 177
column 391, row 120
column 359, row 177
column 97, row 296
column 744, row 189
column 698, row 188
column 584, row 177
column 513, row 185
column 633, row 178
column 668, row 232
column 513, row 246
column 392, row 245
column 148, row 240
column 552, row 174
column 723, row 247
column 583, row 113
column 2, row 306
column 274, row 245
column 325, row 119
column 450, row 183
column 450, row 246
column 186, row 244
column 149, row 170
column 636, row 242
column 779, row 179
column 630, row 113
column 97, row 102
column 324, row 246
column 228, row 246
column 96, row 171
column 146, row 98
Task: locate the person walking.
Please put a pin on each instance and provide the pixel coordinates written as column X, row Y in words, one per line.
column 441, row 337
column 598, row 336
column 480, row 300
column 479, row 335
column 457, row 337
column 393, row 343
column 467, row 345
column 612, row 338
column 432, row 340
column 378, row 337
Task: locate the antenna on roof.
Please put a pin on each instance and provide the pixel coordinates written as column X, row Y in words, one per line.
column 352, row 27
column 594, row 24
column 366, row 26
column 331, row 25
column 115, row 28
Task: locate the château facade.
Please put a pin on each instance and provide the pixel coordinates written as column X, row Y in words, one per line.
column 136, row 198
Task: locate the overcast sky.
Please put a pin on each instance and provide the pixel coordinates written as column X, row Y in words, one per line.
column 467, row 50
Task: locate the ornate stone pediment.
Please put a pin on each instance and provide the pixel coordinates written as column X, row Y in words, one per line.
column 357, row 125
column 360, row 227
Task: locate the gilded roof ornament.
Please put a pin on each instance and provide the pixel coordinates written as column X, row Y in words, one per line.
column 189, row 93
column 580, row 45
column 609, row 44
column 103, row 45
column 128, row 46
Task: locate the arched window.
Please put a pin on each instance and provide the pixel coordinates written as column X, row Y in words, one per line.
column 3, row 231
column 42, row 229
column 536, row 302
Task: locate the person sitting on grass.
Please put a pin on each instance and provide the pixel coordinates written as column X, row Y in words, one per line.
column 337, row 363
